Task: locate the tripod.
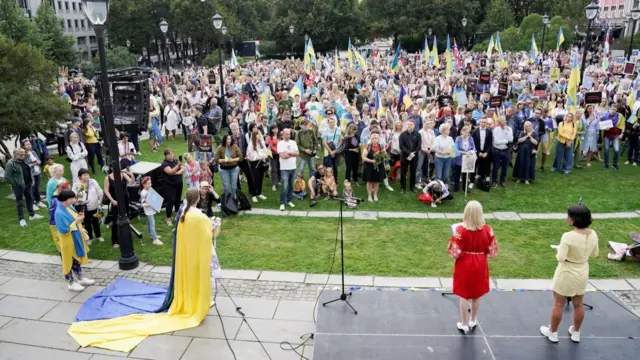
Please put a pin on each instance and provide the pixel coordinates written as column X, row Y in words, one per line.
column 343, row 296
column 585, row 304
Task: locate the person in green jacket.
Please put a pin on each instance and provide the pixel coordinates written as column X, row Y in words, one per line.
column 307, row 142
column 18, row 175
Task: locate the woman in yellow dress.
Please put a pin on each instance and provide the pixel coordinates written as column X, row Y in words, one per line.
column 572, row 273
column 190, row 290
column 71, row 241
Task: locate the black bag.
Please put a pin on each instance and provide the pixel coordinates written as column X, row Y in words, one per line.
column 484, row 185
column 243, row 202
column 229, row 206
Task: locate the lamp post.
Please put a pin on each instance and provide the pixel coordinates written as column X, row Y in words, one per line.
column 430, row 31
column 189, row 41
column 164, row 26
column 96, row 11
column 291, row 30
column 635, row 15
column 591, row 11
column 306, row 40
column 464, row 26
column 217, row 24
column 128, row 43
column 545, row 21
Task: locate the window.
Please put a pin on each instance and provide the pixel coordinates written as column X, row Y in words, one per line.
column 79, row 6
column 69, row 27
column 92, row 39
column 82, row 24
column 73, row 5
column 66, row 5
column 59, row 5
column 81, row 41
column 76, row 23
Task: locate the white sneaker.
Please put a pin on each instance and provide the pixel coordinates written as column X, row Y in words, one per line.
column 273, row 188
column 254, row 199
column 291, row 204
column 262, row 197
column 470, row 186
column 41, row 205
column 626, row 163
column 75, row 287
column 23, row 223
column 157, row 242
column 635, row 164
column 463, row 328
column 472, row 324
column 389, row 187
column 553, row 337
column 575, row 335
column 36, row 217
column 526, row 182
column 375, row 198
column 85, row 281
column 433, row 204
column 419, row 186
column 100, row 239
column 370, row 199
column 281, row 207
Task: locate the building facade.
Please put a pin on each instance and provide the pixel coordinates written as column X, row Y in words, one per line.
column 74, row 22
column 617, row 14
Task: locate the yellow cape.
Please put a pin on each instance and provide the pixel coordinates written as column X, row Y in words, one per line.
column 192, row 295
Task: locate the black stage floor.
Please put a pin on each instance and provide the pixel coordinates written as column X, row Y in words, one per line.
column 394, row 325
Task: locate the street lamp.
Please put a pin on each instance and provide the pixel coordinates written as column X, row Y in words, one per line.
column 189, row 41
column 164, row 26
column 291, row 30
column 430, row 31
column 464, row 25
column 545, row 22
column 128, row 43
column 96, row 11
column 635, row 15
column 217, row 24
column 591, row 11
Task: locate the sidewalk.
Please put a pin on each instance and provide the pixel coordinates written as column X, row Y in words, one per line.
column 36, row 309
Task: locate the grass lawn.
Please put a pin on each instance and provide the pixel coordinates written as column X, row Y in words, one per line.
column 388, row 247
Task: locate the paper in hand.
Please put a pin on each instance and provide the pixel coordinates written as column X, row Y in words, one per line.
column 555, row 247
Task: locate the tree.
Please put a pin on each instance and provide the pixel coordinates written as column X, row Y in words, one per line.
column 499, row 16
column 117, row 58
column 15, row 26
column 27, row 100
column 57, row 47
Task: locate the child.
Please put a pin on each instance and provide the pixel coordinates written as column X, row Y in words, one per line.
column 47, row 167
column 438, row 191
column 205, row 173
column 149, row 211
column 347, row 194
column 329, row 184
column 299, row 187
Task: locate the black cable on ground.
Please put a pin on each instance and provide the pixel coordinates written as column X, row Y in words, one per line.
column 215, row 305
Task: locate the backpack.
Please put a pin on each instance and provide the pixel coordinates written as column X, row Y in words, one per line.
column 228, row 206
column 243, row 202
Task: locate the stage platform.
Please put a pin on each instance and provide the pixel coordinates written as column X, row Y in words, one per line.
column 422, row 325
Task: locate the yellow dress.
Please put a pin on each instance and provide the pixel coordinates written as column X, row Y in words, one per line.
column 66, row 246
column 572, row 273
column 191, row 302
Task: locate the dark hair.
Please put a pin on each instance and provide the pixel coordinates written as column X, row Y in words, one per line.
column 66, row 195
column 580, row 215
column 167, row 151
column 224, row 140
column 82, row 172
column 123, row 135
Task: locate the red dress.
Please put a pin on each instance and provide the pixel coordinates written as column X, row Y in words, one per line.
column 470, row 250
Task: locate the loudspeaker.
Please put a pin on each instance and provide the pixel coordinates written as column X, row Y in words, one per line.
column 129, row 89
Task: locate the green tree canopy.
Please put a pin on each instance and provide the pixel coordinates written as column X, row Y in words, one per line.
column 499, row 16
column 117, row 57
column 27, row 99
column 57, row 46
column 15, row 26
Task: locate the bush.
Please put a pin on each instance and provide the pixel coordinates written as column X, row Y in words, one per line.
column 211, row 60
column 267, row 48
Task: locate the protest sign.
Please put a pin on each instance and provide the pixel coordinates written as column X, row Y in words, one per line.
column 554, row 74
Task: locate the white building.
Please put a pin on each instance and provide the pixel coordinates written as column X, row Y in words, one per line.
column 73, row 20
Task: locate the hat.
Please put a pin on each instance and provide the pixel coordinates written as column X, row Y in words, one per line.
column 76, row 120
column 204, row 184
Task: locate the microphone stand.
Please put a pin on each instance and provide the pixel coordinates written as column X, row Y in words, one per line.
column 343, row 296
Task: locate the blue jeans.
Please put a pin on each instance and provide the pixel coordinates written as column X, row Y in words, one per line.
column 608, row 143
column 564, row 158
column 443, row 168
column 151, row 226
column 422, row 156
column 286, row 185
column 500, row 161
column 311, row 162
column 230, row 180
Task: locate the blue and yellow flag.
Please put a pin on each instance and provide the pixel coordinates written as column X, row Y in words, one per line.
column 426, row 52
column 298, row 88
column 572, row 86
column 404, row 98
column 447, row 56
column 533, row 53
column 309, row 55
column 498, row 45
column 396, row 60
column 631, row 98
column 350, row 54
column 361, row 61
column 490, row 48
column 434, row 53
column 560, row 39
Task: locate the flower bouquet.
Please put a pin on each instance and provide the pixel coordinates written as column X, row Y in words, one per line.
column 380, row 157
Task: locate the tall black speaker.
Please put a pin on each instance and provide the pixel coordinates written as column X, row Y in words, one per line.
column 130, row 91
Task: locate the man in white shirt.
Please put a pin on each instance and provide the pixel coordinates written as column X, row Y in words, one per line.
column 502, row 138
column 288, row 152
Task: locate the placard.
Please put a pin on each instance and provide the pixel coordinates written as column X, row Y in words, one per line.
column 469, row 163
column 484, row 78
column 154, row 199
column 472, row 85
column 205, row 143
column 635, row 52
column 620, row 59
column 483, row 63
column 495, row 102
column 503, row 88
column 554, row 74
column 629, row 68
column 587, row 82
column 594, row 97
column 540, row 91
column 461, row 97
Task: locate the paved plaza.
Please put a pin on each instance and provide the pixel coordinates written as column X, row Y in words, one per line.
column 36, row 309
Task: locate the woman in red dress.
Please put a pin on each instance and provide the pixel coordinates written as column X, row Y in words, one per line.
column 470, row 245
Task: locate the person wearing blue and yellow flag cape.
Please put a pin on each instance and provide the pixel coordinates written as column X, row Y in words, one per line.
column 71, row 240
column 187, row 301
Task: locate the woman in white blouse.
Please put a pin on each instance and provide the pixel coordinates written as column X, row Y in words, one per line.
column 442, row 146
column 77, row 153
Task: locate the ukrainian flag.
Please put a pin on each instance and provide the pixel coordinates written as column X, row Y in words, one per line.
column 560, row 39
column 498, row 45
column 491, row 45
column 350, row 54
column 298, row 88
column 572, row 86
column 533, row 54
column 426, row 53
column 361, row 61
column 434, row 53
column 396, row 59
column 234, row 61
column 447, row 56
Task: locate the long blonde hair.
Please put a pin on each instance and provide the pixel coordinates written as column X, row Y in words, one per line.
column 473, row 219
